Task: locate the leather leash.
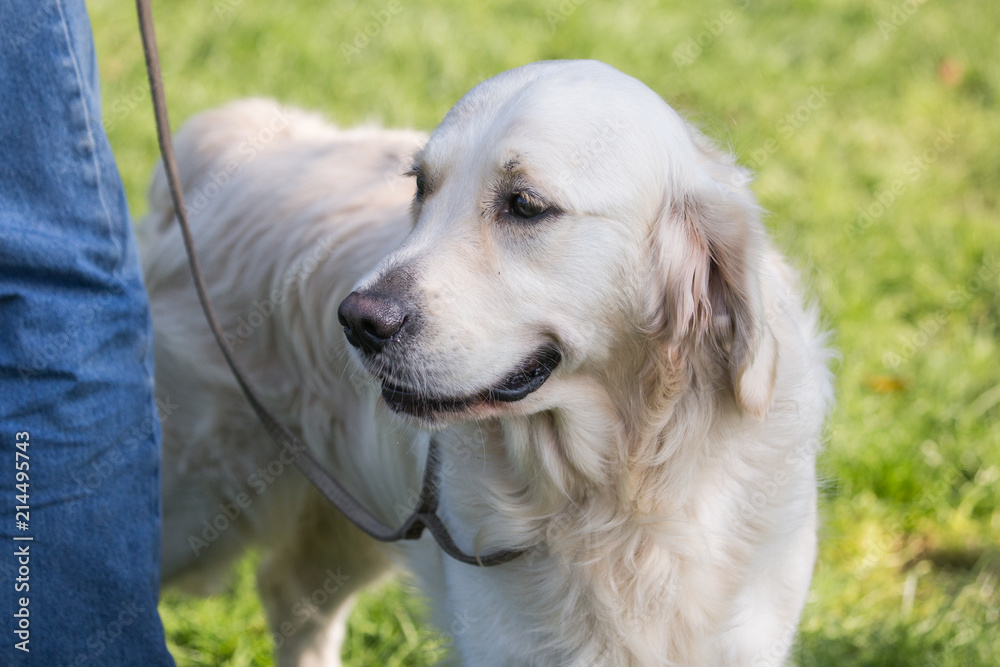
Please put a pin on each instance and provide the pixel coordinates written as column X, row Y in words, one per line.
column 425, row 515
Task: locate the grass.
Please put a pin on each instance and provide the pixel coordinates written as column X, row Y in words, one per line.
column 873, row 127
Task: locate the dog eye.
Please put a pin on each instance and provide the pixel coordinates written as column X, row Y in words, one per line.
column 525, row 207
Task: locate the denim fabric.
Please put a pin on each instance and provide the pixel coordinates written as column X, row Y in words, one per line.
column 75, row 364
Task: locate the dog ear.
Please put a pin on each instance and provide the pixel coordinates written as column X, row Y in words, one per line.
column 711, row 247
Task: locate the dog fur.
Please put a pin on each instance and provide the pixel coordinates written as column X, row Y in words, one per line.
column 662, row 478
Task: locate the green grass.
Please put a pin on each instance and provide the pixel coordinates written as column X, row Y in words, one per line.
column 910, row 558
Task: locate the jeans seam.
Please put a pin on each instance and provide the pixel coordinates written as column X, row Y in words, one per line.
column 90, row 135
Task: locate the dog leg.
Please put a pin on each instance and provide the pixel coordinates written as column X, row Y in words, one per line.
column 308, row 585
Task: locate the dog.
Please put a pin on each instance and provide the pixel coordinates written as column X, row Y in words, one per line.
column 571, row 290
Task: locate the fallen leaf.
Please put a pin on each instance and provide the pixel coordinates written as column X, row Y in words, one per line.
column 951, row 72
column 886, row 384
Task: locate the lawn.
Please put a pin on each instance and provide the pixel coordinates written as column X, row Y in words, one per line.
column 873, row 127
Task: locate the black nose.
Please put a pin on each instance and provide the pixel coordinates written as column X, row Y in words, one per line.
column 370, row 320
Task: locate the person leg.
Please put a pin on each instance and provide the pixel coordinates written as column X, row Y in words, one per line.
column 79, row 435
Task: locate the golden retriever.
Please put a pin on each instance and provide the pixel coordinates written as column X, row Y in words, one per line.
column 571, row 290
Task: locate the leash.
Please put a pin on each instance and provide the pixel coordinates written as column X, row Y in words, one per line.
column 425, row 515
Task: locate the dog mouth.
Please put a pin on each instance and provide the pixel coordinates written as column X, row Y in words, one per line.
column 528, row 378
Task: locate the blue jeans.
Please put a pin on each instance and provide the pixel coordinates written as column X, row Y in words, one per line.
column 79, row 436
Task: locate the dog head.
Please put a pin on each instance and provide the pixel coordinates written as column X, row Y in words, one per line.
column 566, row 219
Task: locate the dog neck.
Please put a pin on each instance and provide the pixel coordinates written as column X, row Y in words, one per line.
column 602, row 507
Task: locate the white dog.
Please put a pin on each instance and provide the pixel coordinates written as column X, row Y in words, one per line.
column 574, row 296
